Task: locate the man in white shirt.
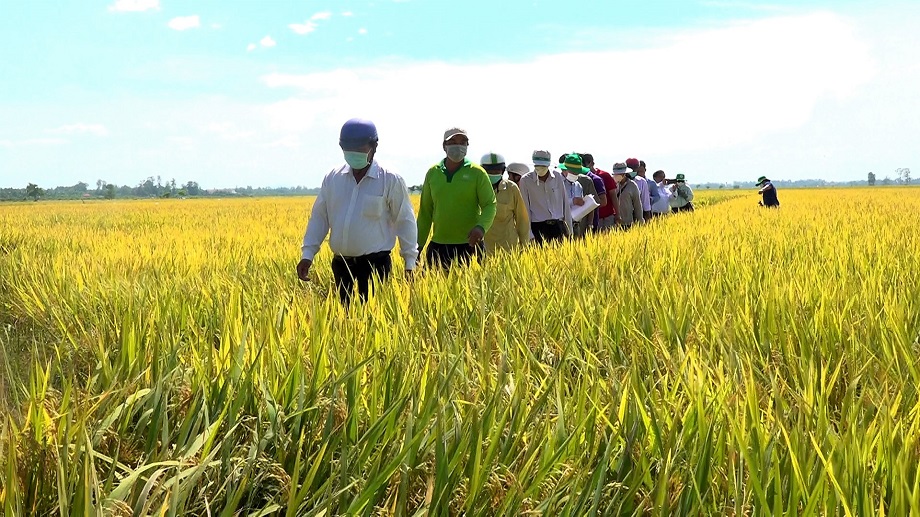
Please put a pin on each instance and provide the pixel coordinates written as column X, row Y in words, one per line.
column 635, row 166
column 364, row 208
column 546, row 196
column 662, row 205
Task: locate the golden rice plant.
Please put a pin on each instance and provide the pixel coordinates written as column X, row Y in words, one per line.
column 162, row 358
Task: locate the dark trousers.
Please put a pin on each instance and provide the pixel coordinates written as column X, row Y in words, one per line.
column 686, row 208
column 446, row 255
column 351, row 271
column 548, row 231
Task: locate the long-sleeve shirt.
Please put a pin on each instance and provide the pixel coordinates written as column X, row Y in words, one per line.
column 769, row 195
column 683, row 195
column 653, row 193
column 362, row 217
column 662, row 205
column 630, row 202
column 511, row 226
column 644, row 196
column 573, row 189
column 455, row 203
column 547, row 199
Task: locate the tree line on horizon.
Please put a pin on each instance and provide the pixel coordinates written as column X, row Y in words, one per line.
column 155, row 187
column 151, row 188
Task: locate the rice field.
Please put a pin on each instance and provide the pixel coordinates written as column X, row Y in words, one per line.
column 161, row 358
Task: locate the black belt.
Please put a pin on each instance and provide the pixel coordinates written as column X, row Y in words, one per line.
column 554, row 222
column 369, row 256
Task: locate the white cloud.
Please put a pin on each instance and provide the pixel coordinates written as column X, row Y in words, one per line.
column 310, row 25
column 80, row 128
column 216, row 26
column 250, row 47
column 288, row 141
column 181, row 23
column 33, row 141
column 267, row 42
column 134, row 5
column 228, row 131
column 362, row 31
column 303, row 28
column 348, row 13
column 703, row 90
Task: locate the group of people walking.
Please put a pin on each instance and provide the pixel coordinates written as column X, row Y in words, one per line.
column 468, row 209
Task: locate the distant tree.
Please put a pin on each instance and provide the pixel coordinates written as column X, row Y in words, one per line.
column 110, row 191
column 192, row 188
column 148, row 188
column 903, row 175
column 99, row 185
column 182, row 193
column 871, row 179
column 33, row 191
column 886, row 181
column 722, row 185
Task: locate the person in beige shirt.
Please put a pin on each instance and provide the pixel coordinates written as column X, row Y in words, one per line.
column 511, row 226
column 628, row 197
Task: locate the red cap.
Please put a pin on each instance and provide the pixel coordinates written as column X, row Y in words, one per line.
column 632, row 163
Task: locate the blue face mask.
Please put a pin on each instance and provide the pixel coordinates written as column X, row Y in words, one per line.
column 356, row 159
column 495, row 178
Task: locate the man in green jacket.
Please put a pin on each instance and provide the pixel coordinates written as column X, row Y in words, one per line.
column 458, row 200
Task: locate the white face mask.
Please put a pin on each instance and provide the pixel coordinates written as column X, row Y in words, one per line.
column 571, row 177
column 541, row 170
column 456, row 153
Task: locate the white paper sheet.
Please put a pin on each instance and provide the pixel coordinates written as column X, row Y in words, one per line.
column 579, row 212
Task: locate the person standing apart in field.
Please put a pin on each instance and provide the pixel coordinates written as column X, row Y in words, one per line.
column 365, row 209
column 662, row 205
column 682, row 198
column 546, row 196
column 458, row 200
column 576, row 172
column 516, row 171
column 634, row 165
column 511, row 227
column 604, row 198
column 767, row 192
column 628, row 198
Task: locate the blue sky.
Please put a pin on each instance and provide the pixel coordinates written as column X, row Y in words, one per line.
column 253, row 93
